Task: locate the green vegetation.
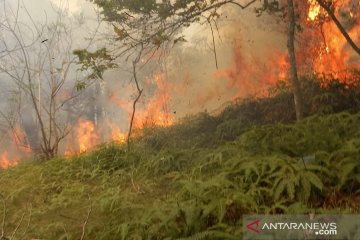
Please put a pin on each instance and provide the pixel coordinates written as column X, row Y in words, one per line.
column 196, row 179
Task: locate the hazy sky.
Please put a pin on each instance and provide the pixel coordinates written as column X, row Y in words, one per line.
column 40, row 9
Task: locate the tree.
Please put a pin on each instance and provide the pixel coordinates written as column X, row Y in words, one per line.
column 296, row 86
column 38, row 61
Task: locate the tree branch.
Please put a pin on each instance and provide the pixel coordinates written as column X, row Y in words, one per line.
column 136, row 100
column 214, row 46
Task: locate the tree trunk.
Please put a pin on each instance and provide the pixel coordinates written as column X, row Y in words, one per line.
column 296, row 87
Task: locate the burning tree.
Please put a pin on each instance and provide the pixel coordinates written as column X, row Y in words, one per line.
column 38, row 64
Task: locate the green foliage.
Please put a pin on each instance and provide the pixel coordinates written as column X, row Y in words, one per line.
column 80, row 86
column 96, row 62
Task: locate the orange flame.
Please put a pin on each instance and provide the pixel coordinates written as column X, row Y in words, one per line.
column 5, row 162
column 331, row 53
column 86, row 137
column 16, row 149
column 155, row 112
column 251, row 77
column 314, row 10
column 116, row 134
column 19, row 140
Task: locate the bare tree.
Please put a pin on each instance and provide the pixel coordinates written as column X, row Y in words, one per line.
column 38, row 60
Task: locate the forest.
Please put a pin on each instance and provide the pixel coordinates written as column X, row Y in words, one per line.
column 177, row 119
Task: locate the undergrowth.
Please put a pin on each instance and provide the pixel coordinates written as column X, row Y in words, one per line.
column 194, row 180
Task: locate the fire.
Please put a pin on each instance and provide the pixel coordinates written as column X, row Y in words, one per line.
column 19, row 140
column 86, row 135
column 314, row 10
column 252, row 77
column 85, row 138
column 16, row 149
column 5, row 162
column 326, row 45
column 155, row 111
column 322, row 49
column 116, row 134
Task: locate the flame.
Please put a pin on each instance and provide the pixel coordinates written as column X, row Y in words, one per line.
column 5, row 162
column 19, row 140
column 155, row 111
column 253, row 77
column 16, row 149
column 330, row 51
column 314, row 10
column 87, row 135
column 323, row 49
column 116, row 134
column 85, row 138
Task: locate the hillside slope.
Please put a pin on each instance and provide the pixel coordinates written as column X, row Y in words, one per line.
column 195, row 179
column 193, row 191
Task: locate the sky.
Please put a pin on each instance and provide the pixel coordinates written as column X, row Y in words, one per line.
column 73, row 5
column 42, row 9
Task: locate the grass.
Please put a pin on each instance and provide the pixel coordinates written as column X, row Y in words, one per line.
column 193, row 180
